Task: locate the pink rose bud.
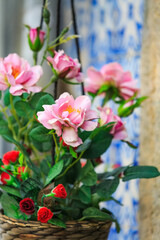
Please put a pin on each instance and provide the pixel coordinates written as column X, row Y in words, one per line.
column 36, row 39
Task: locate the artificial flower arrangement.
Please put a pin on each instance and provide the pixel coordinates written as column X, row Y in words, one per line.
column 50, row 176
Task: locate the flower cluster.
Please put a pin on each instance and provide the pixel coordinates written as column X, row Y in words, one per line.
column 44, row 214
column 51, row 175
column 12, row 170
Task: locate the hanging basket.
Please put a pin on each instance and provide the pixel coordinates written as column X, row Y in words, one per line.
column 12, row 229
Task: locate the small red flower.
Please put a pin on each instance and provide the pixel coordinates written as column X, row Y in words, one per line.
column 6, row 178
column 27, row 206
column 10, row 157
column 44, row 214
column 59, row 191
column 21, row 171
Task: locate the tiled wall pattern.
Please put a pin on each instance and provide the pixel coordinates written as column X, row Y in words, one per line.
column 111, row 30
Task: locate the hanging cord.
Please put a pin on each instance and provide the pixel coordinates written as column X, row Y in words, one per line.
column 56, row 83
column 57, row 34
column 41, row 21
column 76, row 39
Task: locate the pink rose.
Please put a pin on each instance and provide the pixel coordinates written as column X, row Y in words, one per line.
column 16, row 73
column 65, row 66
column 36, row 39
column 67, row 115
column 118, row 130
column 111, row 74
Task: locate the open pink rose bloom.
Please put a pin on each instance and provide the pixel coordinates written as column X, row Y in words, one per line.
column 118, row 130
column 65, row 66
column 111, row 74
column 67, row 115
column 17, row 75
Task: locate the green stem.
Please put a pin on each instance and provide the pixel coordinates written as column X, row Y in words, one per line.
column 47, row 44
column 59, row 150
column 71, row 165
column 13, row 111
column 53, row 79
column 56, row 145
column 9, row 122
column 35, row 58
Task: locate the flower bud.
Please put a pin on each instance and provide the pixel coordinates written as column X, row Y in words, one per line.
column 6, row 178
column 22, row 173
column 36, row 39
column 46, row 15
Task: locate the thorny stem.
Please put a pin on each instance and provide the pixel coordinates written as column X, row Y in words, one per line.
column 47, row 44
column 53, row 79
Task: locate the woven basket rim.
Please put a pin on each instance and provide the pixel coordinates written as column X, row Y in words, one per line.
column 83, row 223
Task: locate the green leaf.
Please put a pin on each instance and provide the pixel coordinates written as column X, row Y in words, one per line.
column 4, row 130
column 107, row 187
column 29, row 185
column 72, row 152
column 135, row 172
column 85, row 194
column 87, row 175
column 35, row 99
column 54, row 172
column 7, row 98
column 115, row 173
column 40, row 134
column 24, row 109
column 44, row 100
column 130, row 144
column 57, row 222
column 84, row 146
column 94, row 213
column 9, row 205
column 21, row 158
column 101, row 140
column 11, row 190
column 42, row 146
column 124, row 111
column 103, row 88
column 45, row 165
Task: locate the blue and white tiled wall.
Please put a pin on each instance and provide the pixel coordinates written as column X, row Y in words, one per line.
column 111, row 30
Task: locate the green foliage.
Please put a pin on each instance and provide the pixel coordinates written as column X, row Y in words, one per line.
column 40, row 134
column 11, row 190
column 135, row 172
column 11, row 209
column 54, row 171
column 30, row 188
column 4, row 130
column 107, row 187
column 100, row 142
column 87, row 175
column 24, row 109
column 85, row 194
column 94, row 213
column 57, row 222
column 44, row 100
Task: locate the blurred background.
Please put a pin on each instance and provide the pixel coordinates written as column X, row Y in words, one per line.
column 110, row 30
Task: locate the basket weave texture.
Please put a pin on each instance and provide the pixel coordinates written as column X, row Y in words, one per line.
column 12, row 229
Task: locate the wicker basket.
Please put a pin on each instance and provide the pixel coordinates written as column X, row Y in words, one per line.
column 12, row 229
